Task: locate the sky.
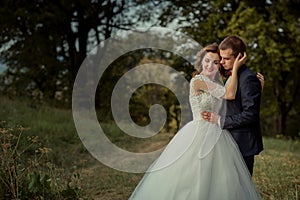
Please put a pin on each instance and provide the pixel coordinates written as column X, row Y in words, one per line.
column 2, row 68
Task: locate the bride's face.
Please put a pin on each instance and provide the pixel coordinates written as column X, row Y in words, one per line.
column 210, row 64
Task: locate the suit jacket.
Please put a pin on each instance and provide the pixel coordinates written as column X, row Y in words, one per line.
column 241, row 118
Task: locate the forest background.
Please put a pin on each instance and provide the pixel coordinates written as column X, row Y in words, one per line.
column 43, row 44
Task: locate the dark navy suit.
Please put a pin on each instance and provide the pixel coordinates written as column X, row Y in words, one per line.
column 242, row 114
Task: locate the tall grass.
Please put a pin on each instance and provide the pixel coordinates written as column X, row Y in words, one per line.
column 276, row 172
column 54, row 127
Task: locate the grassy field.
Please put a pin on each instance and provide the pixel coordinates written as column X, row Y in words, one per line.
column 276, row 174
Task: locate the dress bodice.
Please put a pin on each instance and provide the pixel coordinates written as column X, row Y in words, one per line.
column 201, row 100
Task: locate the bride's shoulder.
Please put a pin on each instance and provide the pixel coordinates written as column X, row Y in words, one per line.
column 200, row 77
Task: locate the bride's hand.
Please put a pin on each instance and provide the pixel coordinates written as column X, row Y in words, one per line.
column 261, row 78
column 239, row 61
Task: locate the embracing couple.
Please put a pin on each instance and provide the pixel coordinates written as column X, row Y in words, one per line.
column 222, row 139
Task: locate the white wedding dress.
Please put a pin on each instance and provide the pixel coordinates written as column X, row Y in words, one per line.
column 201, row 162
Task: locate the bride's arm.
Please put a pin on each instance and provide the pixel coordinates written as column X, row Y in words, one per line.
column 231, row 87
column 216, row 89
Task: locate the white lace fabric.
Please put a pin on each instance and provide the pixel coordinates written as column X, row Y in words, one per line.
column 209, row 100
column 206, row 100
column 200, row 160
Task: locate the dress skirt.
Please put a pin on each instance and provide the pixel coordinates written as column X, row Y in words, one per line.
column 201, row 162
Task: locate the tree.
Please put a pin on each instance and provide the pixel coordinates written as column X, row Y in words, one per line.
column 271, row 31
column 46, row 41
column 273, row 39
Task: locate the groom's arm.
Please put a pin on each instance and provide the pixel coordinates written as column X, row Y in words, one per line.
column 250, row 100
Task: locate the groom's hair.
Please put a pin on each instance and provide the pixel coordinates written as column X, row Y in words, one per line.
column 236, row 43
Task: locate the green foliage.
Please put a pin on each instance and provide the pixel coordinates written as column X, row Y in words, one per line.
column 271, row 30
column 276, row 171
column 273, row 51
column 26, row 172
column 38, row 184
column 44, row 43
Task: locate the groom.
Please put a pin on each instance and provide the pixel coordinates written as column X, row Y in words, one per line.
column 242, row 113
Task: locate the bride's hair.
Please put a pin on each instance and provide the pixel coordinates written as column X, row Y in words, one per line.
column 213, row 48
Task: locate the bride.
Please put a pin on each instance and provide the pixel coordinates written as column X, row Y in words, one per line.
column 202, row 161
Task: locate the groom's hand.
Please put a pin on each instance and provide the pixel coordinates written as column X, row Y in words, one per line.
column 210, row 117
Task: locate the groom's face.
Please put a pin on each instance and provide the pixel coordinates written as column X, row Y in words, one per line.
column 227, row 59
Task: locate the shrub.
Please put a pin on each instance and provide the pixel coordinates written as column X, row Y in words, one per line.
column 25, row 172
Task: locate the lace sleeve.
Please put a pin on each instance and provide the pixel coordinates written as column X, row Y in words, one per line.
column 215, row 89
column 218, row 92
